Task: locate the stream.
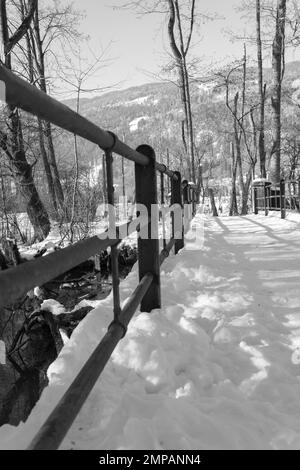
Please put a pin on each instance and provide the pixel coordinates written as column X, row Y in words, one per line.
column 32, row 336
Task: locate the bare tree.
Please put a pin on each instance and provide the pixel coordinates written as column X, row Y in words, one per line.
column 233, row 208
column 39, row 48
column 262, row 93
column 76, row 76
column 181, row 22
column 31, row 76
column 180, row 48
column 12, row 141
column 285, row 19
column 278, row 68
column 245, row 141
column 53, row 24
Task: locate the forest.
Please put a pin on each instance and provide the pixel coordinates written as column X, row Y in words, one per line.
column 237, row 122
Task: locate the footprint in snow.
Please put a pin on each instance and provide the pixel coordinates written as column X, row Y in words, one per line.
column 296, row 356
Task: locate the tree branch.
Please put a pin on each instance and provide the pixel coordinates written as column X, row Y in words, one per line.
column 191, row 27
column 22, row 29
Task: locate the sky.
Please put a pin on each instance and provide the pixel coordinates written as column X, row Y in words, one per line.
column 138, row 46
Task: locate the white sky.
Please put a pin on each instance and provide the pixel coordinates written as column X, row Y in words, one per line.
column 140, row 44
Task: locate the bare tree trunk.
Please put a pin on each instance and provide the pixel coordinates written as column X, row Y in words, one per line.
column 76, row 176
column 190, row 124
column 233, row 202
column 168, row 165
column 3, row 193
column 244, row 187
column 245, row 195
column 40, row 63
column 239, row 132
column 238, row 157
column 199, row 184
column 183, row 132
column 55, row 173
column 49, row 178
column 13, row 147
column 212, row 202
column 34, row 207
column 278, row 72
column 180, row 53
column 40, row 126
column 181, row 77
column 255, row 147
column 262, row 94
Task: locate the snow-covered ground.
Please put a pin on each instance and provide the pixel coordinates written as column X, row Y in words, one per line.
column 134, row 125
column 218, row 367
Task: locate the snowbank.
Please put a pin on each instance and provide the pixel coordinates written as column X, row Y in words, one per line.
column 216, row 368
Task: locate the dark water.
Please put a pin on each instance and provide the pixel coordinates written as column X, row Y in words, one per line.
column 19, row 393
column 30, row 349
column 33, row 342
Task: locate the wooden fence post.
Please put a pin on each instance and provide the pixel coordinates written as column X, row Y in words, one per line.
column 185, row 191
column 186, row 203
column 148, row 250
column 212, row 202
column 194, row 202
column 265, row 200
column 282, row 199
column 176, row 198
column 114, row 256
column 162, row 208
column 185, row 197
column 255, row 206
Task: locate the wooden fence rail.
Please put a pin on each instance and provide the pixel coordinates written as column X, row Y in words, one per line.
column 279, row 198
column 16, row 282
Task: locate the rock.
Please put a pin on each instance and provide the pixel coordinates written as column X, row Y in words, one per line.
column 69, row 321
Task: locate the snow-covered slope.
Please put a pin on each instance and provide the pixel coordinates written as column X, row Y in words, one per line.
column 218, row 367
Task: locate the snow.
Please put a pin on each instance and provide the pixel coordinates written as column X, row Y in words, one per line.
column 2, row 353
column 134, row 125
column 142, row 100
column 260, row 180
column 206, row 88
column 217, row 367
column 295, row 84
column 53, row 306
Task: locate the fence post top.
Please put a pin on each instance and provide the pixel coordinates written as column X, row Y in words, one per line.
column 146, row 150
column 114, row 142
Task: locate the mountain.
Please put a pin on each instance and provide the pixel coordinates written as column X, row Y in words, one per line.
column 152, row 114
column 149, row 114
column 127, row 111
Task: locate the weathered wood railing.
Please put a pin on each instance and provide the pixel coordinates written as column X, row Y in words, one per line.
column 16, row 282
column 285, row 195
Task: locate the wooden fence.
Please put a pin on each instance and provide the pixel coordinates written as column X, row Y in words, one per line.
column 16, row 282
column 285, row 196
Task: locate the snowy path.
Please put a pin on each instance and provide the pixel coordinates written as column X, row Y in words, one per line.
column 218, row 367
